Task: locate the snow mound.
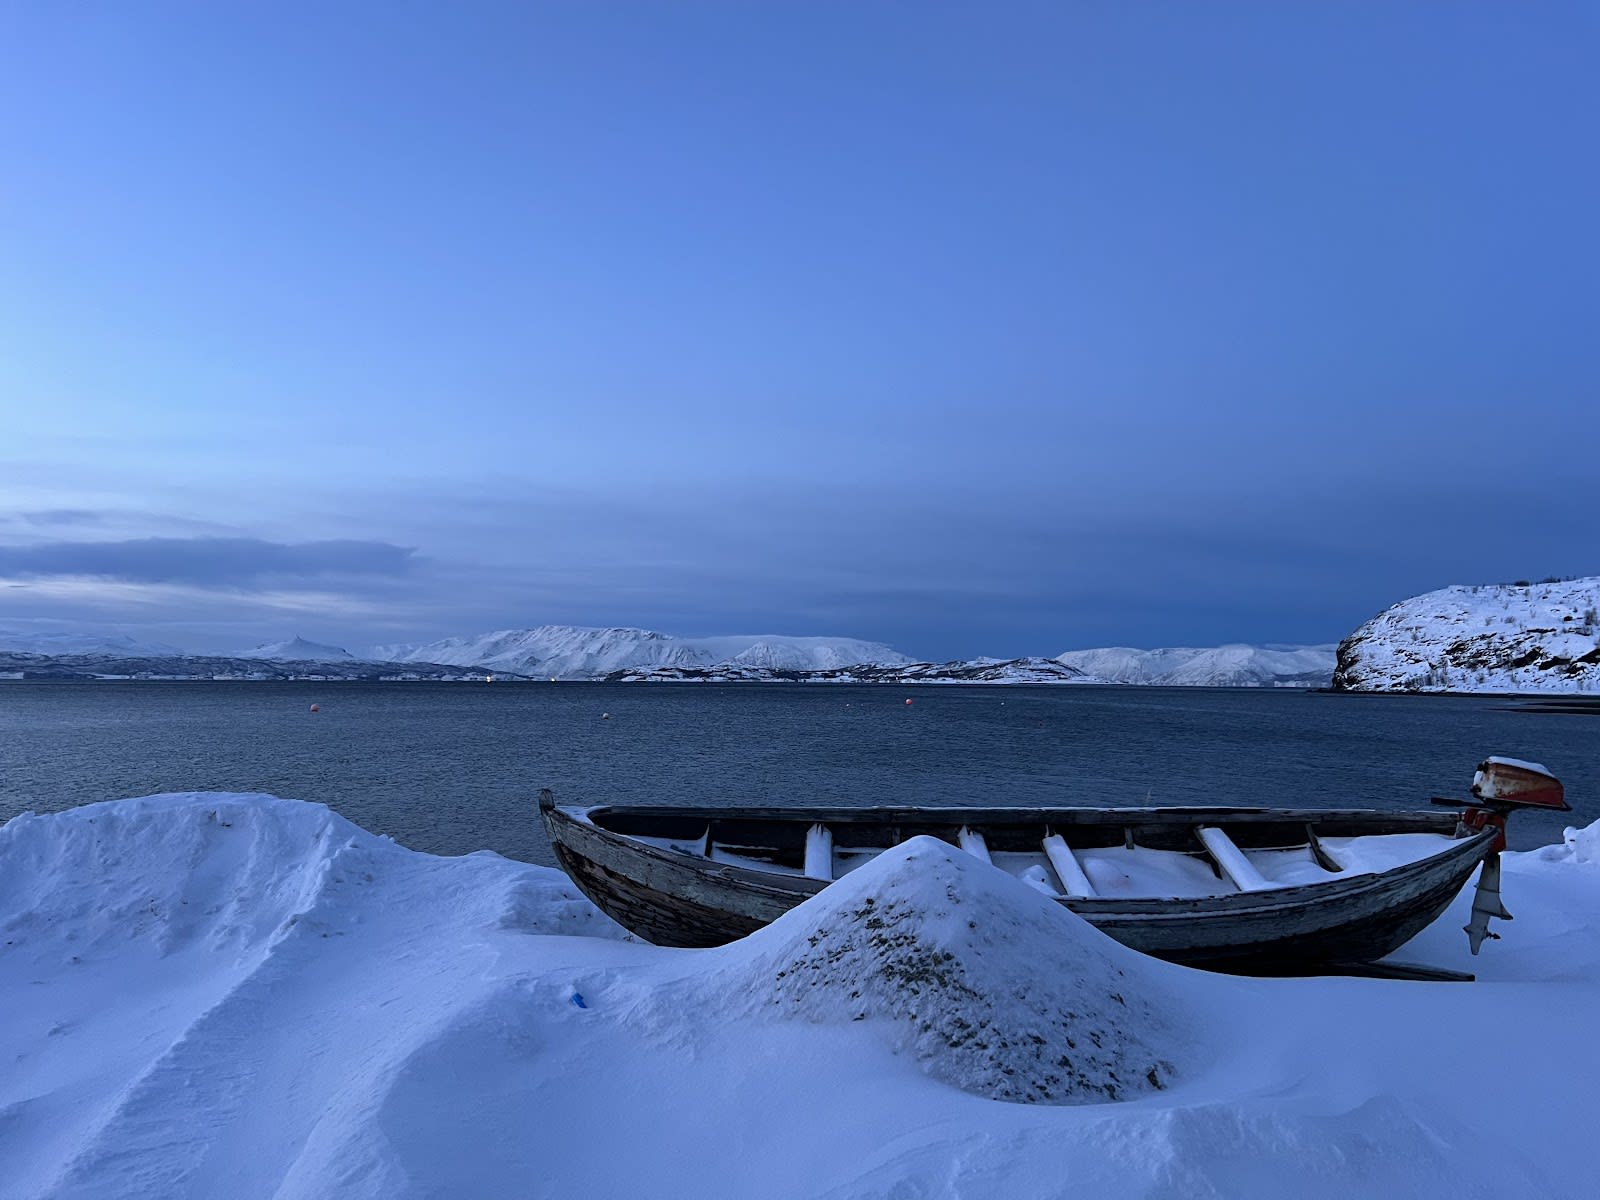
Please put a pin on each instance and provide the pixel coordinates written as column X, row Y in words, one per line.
column 207, row 994
column 225, row 871
column 221, row 870
column 1577, row 846
column 992, row 987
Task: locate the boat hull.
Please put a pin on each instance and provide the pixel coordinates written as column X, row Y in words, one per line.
column 675, row 899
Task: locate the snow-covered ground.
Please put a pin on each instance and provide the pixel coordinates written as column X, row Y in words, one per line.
column 1538, row 637
column 1234, row 665
column 209, row 995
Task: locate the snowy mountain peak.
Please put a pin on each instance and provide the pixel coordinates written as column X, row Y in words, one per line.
column 806, row 653
column 298, row 649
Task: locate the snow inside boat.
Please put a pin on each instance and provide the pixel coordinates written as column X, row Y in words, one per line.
column 1260, row 891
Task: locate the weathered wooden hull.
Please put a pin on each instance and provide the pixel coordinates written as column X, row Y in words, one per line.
column 677, row 899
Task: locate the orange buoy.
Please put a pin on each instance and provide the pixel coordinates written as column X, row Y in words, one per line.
column 316, row 708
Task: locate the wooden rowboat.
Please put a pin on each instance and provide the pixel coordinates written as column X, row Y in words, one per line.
column 1248, row 890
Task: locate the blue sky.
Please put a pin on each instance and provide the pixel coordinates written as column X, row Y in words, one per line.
column 975, row 329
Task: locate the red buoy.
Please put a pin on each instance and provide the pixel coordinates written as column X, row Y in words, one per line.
column 316, row 708
column 908, row 699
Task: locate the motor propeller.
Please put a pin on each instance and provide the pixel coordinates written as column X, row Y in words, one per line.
column 1499, row 787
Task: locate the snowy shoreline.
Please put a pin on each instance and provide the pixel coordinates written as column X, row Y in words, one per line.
column 218, row 994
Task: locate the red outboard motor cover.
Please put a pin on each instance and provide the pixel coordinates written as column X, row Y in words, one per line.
column 1512, row 781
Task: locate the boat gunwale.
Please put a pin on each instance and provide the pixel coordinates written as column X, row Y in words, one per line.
column 1085, row 814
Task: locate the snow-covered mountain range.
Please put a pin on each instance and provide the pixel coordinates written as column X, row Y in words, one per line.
column 579, row 652
column 1235, row 665
column 1507, row 637
column 18, row 642
column 576, row 652
column 297, row 649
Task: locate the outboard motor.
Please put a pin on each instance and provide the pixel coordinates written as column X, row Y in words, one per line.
column 1500, row 786
column 1512, row 782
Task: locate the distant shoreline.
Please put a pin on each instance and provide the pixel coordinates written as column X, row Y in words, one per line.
column 1569, row 702
column 1546, row 702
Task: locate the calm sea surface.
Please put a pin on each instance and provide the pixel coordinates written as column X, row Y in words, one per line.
column 452, row 768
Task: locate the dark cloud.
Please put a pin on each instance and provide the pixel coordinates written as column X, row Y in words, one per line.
column 205, row 561
column 62, row 516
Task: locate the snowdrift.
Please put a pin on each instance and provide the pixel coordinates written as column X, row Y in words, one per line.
column 241, row 996
column 211, row 995
column 989, row 985
column 1577, row 846
column 239, row 872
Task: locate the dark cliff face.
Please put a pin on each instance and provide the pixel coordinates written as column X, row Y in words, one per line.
column 1347, row 673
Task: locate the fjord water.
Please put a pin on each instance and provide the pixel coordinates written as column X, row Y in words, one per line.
column 453, row 768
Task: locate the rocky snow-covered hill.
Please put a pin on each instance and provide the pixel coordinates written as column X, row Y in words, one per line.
column 800, row 653
column 1217, row 666
column 575, row 652
column 1521, row 637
